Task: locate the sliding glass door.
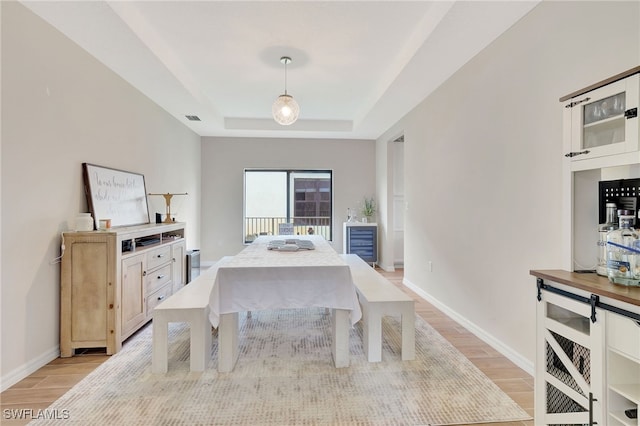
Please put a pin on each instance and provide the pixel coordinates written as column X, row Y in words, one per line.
column 302, row 198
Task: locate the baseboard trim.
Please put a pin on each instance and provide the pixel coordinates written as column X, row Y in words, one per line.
column 387, row 268
column 489, row 339
column 17, row 374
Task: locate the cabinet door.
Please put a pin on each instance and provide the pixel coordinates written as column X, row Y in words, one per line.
column 602, row 124
column 569, row 362
column 84, row 295
column 133, row 294
column 179, row 253
column 623, row 369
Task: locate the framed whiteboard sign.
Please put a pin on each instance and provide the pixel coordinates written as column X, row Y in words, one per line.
column 115, row 194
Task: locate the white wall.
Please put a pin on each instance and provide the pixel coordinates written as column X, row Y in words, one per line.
column 483, row 162
column 60, row 108
column 398, row 204
column 223, row 164
column 384, row 195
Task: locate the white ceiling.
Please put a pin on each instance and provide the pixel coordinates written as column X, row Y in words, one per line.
column 358, row 66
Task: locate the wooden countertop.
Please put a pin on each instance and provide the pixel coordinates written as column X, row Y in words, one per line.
column 592, row 283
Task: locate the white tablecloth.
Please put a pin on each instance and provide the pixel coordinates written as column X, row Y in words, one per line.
column 261, row 279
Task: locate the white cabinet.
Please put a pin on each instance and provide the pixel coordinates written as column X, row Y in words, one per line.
column 569, row 352
column 623, row 369
column 601, row 123
column 587, row 350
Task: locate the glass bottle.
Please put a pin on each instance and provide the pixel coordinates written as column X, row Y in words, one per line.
column 603, row 229
column 623, row 253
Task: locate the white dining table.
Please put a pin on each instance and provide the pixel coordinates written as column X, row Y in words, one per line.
column 258, row 278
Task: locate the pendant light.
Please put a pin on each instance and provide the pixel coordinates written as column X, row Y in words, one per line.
column 285, row 109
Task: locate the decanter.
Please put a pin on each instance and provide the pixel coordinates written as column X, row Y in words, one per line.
column 623, row 253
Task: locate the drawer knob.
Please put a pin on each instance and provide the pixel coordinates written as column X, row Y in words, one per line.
column 161, row 297
column 160, row 277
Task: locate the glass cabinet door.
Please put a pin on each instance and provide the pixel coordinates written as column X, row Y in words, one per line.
column 604, row 121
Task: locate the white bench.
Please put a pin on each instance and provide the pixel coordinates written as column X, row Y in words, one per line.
column 378, row 297
column 189, row 304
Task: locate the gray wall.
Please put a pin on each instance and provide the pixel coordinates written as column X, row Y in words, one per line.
column 483, row 165
column 60, row 108
column 223, row 163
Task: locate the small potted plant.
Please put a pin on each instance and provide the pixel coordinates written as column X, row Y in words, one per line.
column 368, row 209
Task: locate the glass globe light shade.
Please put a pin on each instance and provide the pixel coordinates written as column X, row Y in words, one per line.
column 285, row 110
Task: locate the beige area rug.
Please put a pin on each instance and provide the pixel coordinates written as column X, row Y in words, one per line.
column 285, row 376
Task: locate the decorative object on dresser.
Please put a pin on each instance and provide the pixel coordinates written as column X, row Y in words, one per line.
column 167, row 199
column 115, row 194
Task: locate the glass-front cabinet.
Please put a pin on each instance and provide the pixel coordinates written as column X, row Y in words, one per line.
column 603, row 123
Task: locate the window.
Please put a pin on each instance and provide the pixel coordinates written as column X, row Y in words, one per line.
column 300, row 197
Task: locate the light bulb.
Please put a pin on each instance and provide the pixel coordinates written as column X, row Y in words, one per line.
column 285, row 110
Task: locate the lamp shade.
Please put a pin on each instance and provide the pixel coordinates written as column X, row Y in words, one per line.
column 285, row 110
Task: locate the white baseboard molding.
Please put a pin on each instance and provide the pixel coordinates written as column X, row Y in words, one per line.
column 489, row 339
column 30, row 367
column 387, row 268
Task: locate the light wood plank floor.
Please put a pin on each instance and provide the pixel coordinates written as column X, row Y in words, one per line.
column 50, row 382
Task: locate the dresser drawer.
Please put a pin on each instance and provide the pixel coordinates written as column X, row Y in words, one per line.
column 623, row 334
column 156, row 298
column 158, row 257
column 156, row 279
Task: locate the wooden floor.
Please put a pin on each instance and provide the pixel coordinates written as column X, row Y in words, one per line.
column 40, row 389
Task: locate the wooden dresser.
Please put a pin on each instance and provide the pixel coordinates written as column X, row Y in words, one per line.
column 111, row 281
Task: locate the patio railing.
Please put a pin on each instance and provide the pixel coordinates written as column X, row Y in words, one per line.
column 256, row 226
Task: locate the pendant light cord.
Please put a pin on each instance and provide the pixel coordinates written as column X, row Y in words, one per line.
column 285, row 76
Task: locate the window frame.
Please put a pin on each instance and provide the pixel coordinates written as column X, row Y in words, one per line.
column 290, row 195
